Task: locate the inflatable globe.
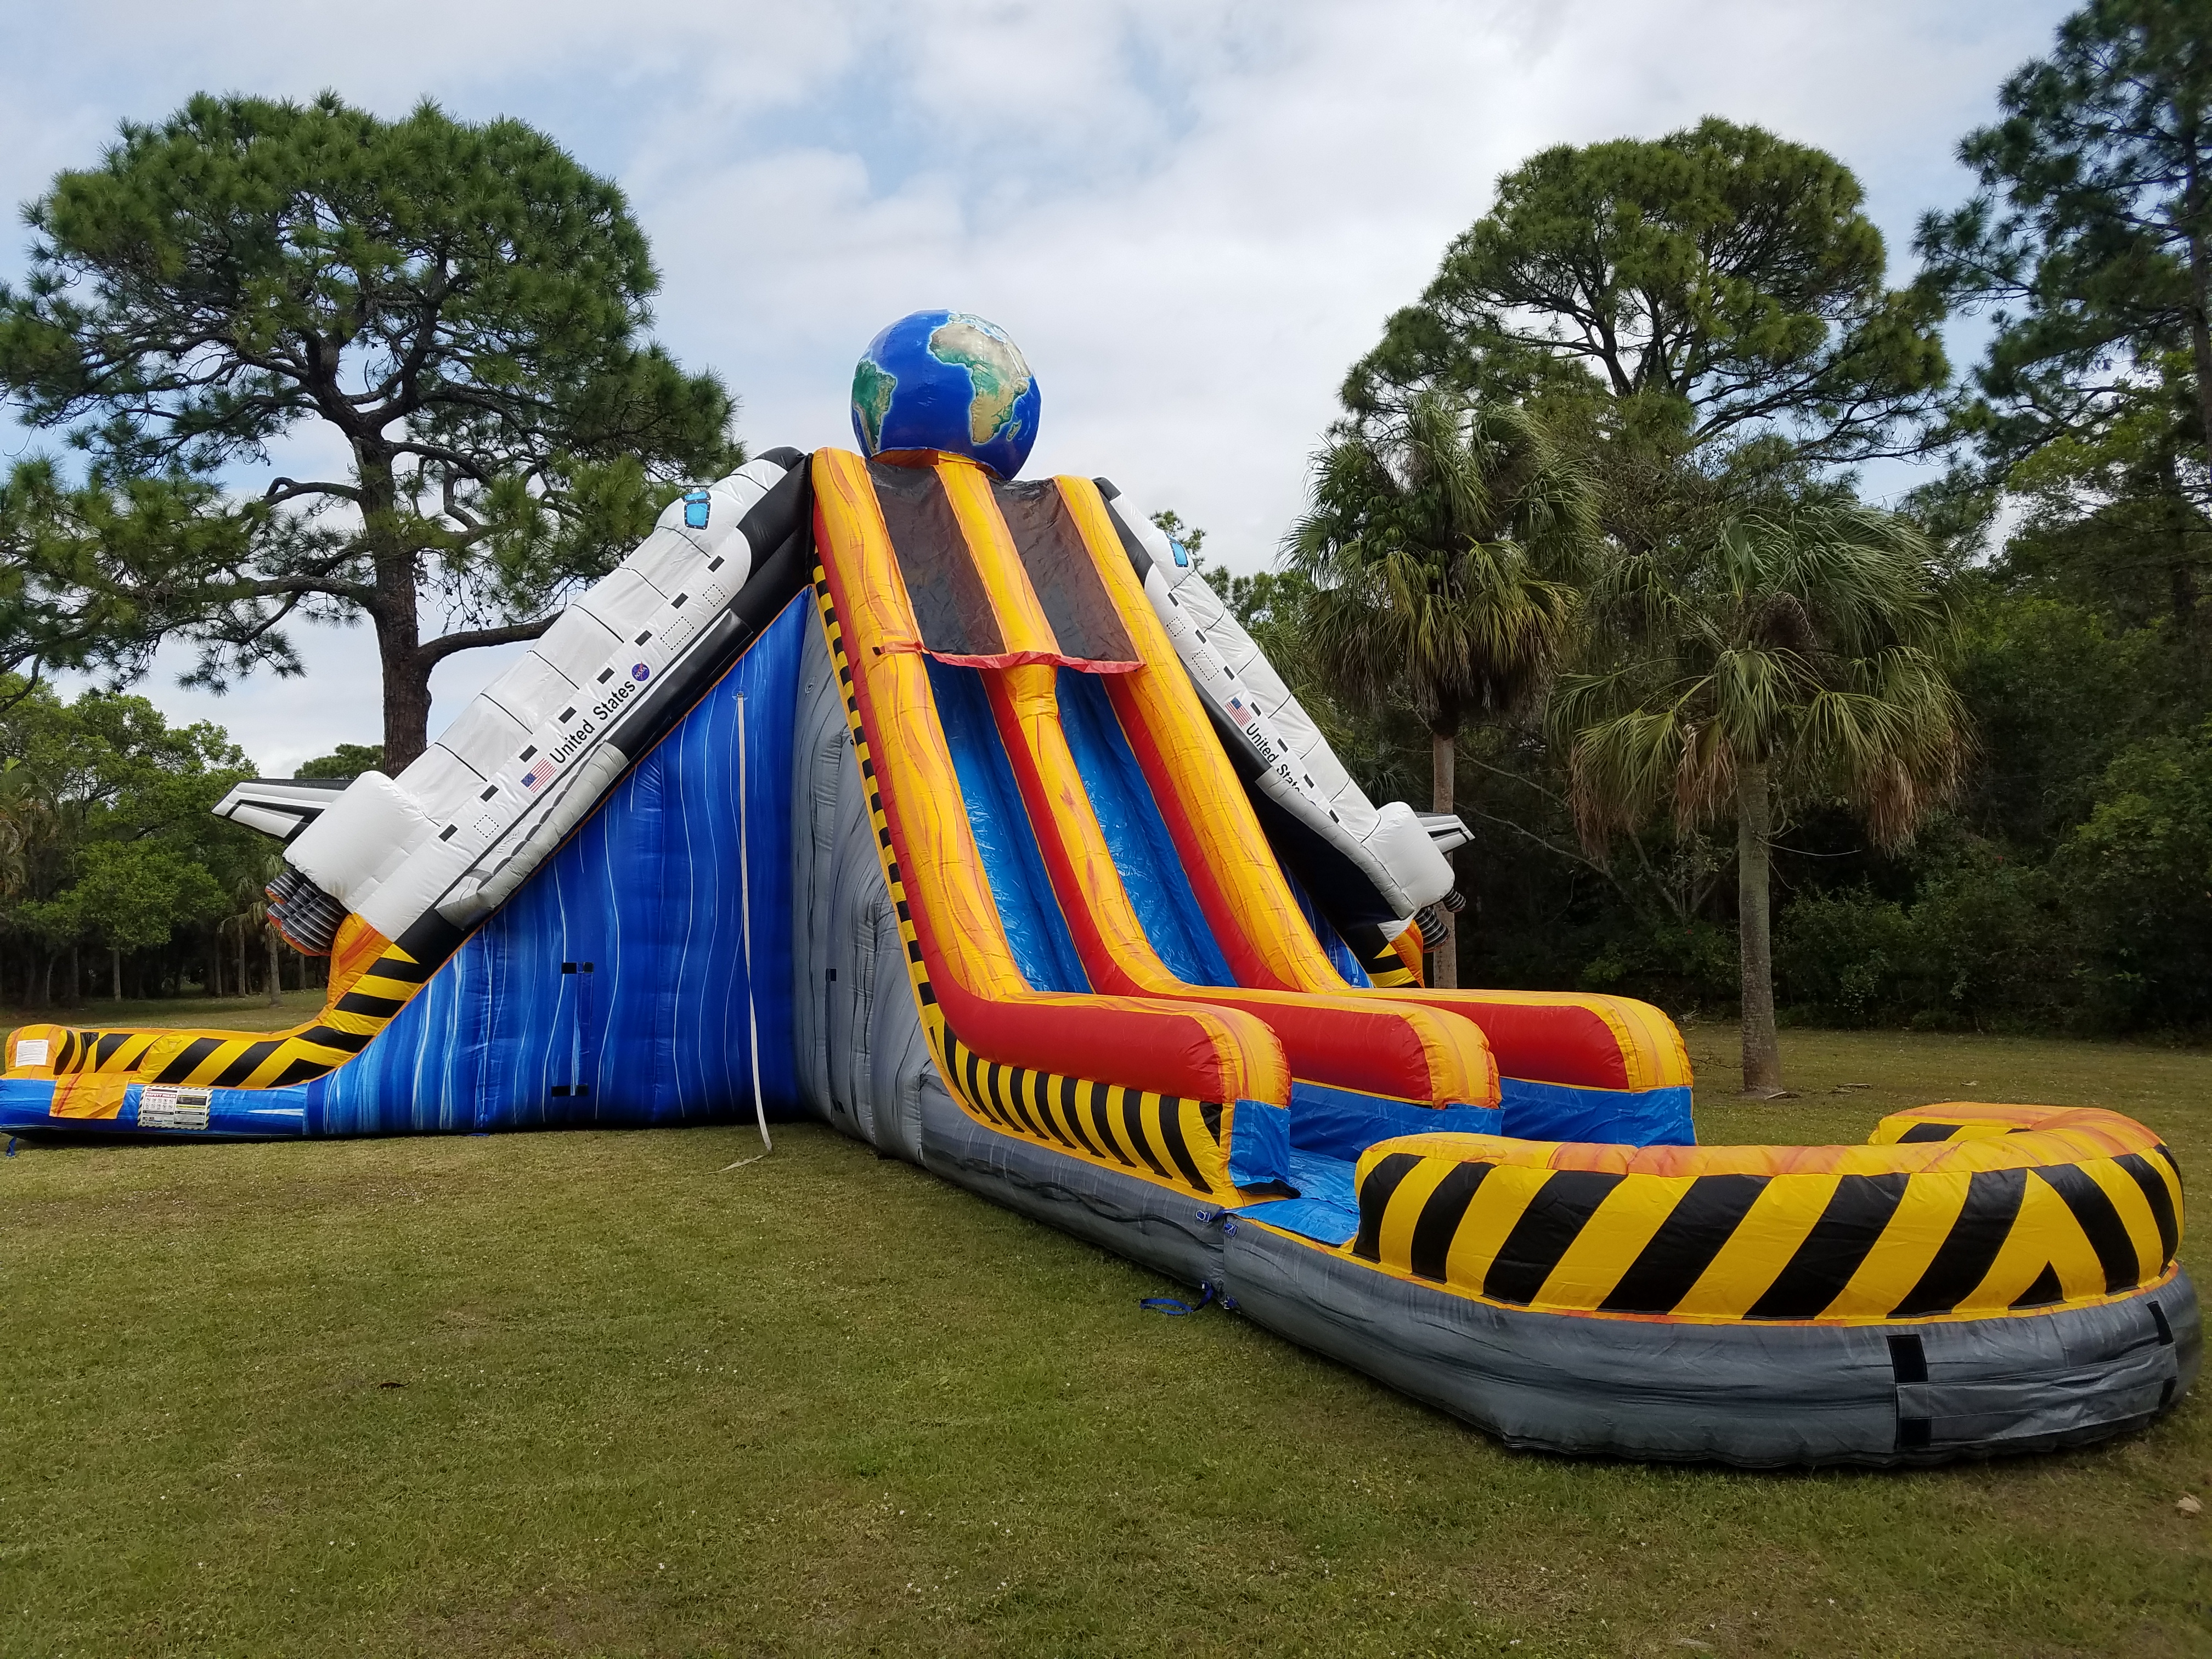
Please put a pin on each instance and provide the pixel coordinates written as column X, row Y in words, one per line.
column 947, row 380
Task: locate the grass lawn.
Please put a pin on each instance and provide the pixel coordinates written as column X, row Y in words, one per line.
column 598, row 1394
column 251, row 1013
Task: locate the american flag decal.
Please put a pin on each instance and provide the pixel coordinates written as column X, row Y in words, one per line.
column 536, row 776
column 1238, row 712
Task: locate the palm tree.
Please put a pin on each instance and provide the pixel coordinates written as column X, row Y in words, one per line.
column 251, row 918
column 1793, row 657
column 1441, row 543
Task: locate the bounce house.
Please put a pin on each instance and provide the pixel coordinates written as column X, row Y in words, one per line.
column 957, row 811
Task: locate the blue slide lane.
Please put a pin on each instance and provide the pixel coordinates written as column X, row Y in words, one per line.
column 1043, row 948
column 1332, row 943
column 1137, row 835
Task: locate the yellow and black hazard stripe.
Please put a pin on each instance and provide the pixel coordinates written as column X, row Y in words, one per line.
column 1107, row 1123
column 1956, row 1120
column 1164, row 1138
column 1946, row 1236
column 1934, row 1129
column 263, row 1060
column 1388, row 962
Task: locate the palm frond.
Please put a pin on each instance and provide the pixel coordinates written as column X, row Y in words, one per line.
column 1441, row 543
column 1811, row 642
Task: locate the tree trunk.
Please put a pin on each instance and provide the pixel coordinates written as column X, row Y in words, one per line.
column 1444, row 756
column 396, row 613
column 1762, row 1050
column 270, row 934
column 2200, row 282
column 406, row 694
column 76, row 977
column 2181, row 519
column 399, row 625
column 244, row 988
column 115, row 972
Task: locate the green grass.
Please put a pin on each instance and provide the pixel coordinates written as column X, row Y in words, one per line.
column 251, row 1013
column 598, row 1394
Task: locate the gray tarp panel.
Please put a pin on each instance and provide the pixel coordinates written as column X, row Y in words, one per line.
column 862, row 1059
column 1746, row 1393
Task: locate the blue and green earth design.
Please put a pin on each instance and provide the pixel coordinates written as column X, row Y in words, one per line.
column 944, row 380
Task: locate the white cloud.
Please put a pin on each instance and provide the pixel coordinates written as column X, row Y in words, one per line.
column 1192, row 215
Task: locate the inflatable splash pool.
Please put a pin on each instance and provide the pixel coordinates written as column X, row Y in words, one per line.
column 956, row 811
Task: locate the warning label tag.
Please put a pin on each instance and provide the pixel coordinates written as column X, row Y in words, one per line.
column 163, row 1108
column 33, row 1051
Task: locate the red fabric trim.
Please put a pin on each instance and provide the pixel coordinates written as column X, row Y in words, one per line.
column 1544, row 1042
column 1028, row 659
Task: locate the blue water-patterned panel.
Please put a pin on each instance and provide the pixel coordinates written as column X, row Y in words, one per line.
column 612, row 988
column 1624, row 1117
column 1344, row 1123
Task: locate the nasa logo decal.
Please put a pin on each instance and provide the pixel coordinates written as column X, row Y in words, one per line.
column 640, row 672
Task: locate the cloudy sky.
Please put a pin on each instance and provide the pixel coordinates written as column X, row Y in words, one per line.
column 1193, row 214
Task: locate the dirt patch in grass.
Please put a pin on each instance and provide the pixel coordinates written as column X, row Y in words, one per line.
column 828, row 1404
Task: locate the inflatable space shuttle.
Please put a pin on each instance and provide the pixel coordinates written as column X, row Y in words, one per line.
column 462, row 827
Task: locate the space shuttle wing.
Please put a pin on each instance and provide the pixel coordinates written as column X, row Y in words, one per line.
column 281, row 807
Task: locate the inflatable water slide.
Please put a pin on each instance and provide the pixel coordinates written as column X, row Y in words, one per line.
column 955, row 810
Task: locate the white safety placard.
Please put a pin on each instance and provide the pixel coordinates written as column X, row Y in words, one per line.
column 160, row 1107
column 33, row 1051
